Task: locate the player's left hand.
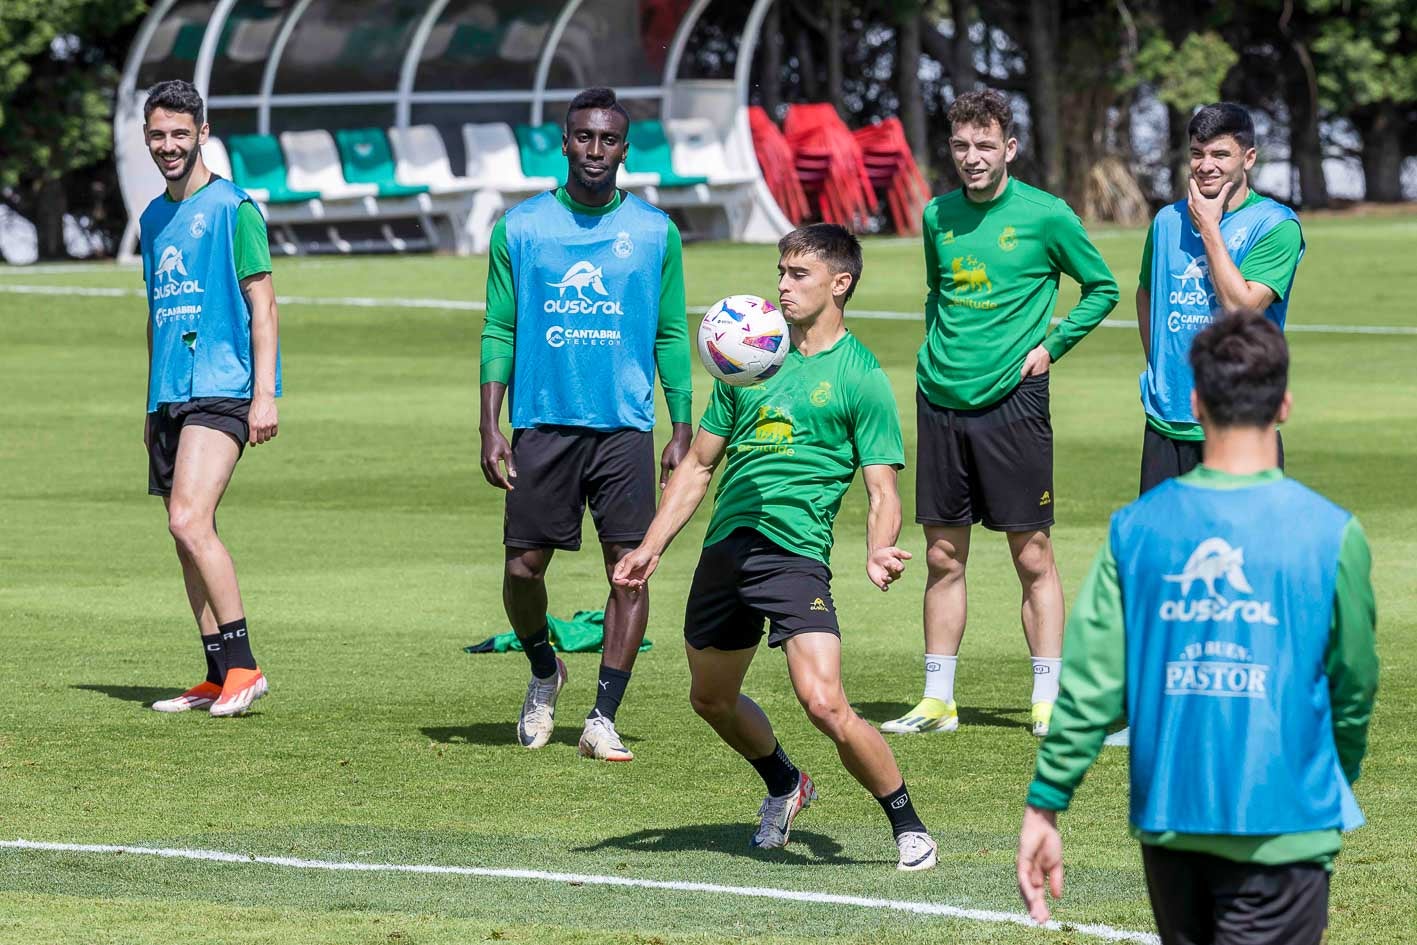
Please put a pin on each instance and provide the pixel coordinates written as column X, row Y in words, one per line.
column 1206, row 212
column 1037, row 362
column 262, row 420
column 1040, row 856
column 674, row 452
column 885, row 565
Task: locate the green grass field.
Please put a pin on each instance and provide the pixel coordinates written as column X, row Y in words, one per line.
column 369, row 553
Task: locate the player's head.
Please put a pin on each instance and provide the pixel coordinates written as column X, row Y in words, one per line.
column 1222, row 146
column 982, row 141
column 174, row 122
column 594, row 141
column 818, row 267
column 1241, row 367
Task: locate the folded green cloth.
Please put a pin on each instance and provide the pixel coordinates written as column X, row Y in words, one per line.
column 583, row 633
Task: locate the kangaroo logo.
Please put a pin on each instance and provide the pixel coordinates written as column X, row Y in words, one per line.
column 581, row 276
column 1196, row 271
column 1212, row 560
column 170, row 265
column 773, row 425
column 970, row 275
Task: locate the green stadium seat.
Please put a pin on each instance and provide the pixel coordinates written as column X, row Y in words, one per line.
column 650, row 153
column 366, row 158
column 540, row 148
column 258, row 164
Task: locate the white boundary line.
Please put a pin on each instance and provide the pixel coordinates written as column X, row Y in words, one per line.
column 1104, row 932
column 470, row 306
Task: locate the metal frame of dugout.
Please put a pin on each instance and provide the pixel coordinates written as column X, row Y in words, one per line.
column 291, row 67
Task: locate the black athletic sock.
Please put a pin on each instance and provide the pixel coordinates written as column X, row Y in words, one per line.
column 236, row 645
column 777, row 771
column 540, row 653
column 609, row 693
column 216, row 660
column 901, row 812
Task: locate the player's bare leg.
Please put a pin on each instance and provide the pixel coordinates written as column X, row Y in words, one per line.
column 524, row 597
column 814, row 662
column 202, row 471
column 1042, row 613
column 715, row 691
column 946, row 608
column 626, row 615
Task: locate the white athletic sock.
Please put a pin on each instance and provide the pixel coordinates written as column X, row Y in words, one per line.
column 940, row 677
column 1045, row 679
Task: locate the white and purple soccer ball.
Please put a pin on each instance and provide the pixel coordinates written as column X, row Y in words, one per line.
column 743, row 340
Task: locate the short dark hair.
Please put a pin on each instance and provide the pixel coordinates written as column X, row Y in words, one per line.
column 599, row 97
column 834, row 245
column 175, row 95
column 1223, row 118
column 983, row 107
column 1241, row 367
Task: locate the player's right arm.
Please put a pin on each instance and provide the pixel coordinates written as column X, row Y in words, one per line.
column 498, row 350
column 1144, row 295
column 687, row 488
column 932, row 269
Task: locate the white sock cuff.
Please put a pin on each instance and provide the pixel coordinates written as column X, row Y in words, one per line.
column 940, row 676
column 1045, row 678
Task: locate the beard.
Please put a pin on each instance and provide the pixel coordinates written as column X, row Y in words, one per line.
column 606, row 182
column 183, row 169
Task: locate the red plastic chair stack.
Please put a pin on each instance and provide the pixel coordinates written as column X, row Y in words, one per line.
column 830, row 165
column 893, row 170
column 775, row 159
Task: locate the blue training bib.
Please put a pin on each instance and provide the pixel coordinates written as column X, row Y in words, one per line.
column 201, row 324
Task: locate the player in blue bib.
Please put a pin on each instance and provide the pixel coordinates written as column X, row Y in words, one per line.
column 1223, row 248
column 1231, row 616
column 585, row 304
column 213, row 377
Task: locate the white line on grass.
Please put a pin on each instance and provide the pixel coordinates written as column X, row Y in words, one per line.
column 1104, row 932
column 469, row 306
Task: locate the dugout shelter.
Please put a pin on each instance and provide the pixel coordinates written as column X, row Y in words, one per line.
column 404, row 124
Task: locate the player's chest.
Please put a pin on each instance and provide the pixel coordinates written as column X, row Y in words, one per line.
column 973, row 255
column 800, row 408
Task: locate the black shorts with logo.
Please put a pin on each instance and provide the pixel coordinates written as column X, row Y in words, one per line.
column 227, row 414
column 560, row 469
column 746, row 579
column 992, row 465
column 1198, row 898
column 1163, row 458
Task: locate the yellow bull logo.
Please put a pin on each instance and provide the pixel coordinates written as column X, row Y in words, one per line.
column 773, row 426
column 969, row 275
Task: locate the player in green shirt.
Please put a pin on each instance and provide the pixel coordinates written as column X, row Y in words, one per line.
column 994, row 252
column 793, row 444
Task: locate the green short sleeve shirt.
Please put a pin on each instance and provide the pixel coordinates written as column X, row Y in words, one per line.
column 795, row 442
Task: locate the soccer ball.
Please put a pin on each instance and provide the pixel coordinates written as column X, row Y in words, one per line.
column 743, row 339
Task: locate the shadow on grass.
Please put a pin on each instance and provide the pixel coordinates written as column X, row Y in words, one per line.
column 144, row 695
column 501, row 734
column 731, row 839
column 988, row 716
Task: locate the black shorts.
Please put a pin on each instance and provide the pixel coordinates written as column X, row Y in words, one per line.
column 746, row 579
column 1198, row 898
column 227, row 414
column 560, row 469
column 992, row 465
column 1163, row 458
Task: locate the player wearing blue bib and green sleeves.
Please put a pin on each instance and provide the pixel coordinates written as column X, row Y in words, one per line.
column 585, row 301
column 793, row 444
column 1224, row 248
column 213, row 377
column 1231, row 616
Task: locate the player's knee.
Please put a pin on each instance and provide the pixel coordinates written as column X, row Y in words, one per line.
column 943, row 560
column 828, row 713
column 710, row 706
column 1034, row 559
column 526, row 568
column 188, row 528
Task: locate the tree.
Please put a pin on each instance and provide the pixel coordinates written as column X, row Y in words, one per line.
column 1366, row 62
column 58, row 79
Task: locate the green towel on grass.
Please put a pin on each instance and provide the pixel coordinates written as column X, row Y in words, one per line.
column 583, row 633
